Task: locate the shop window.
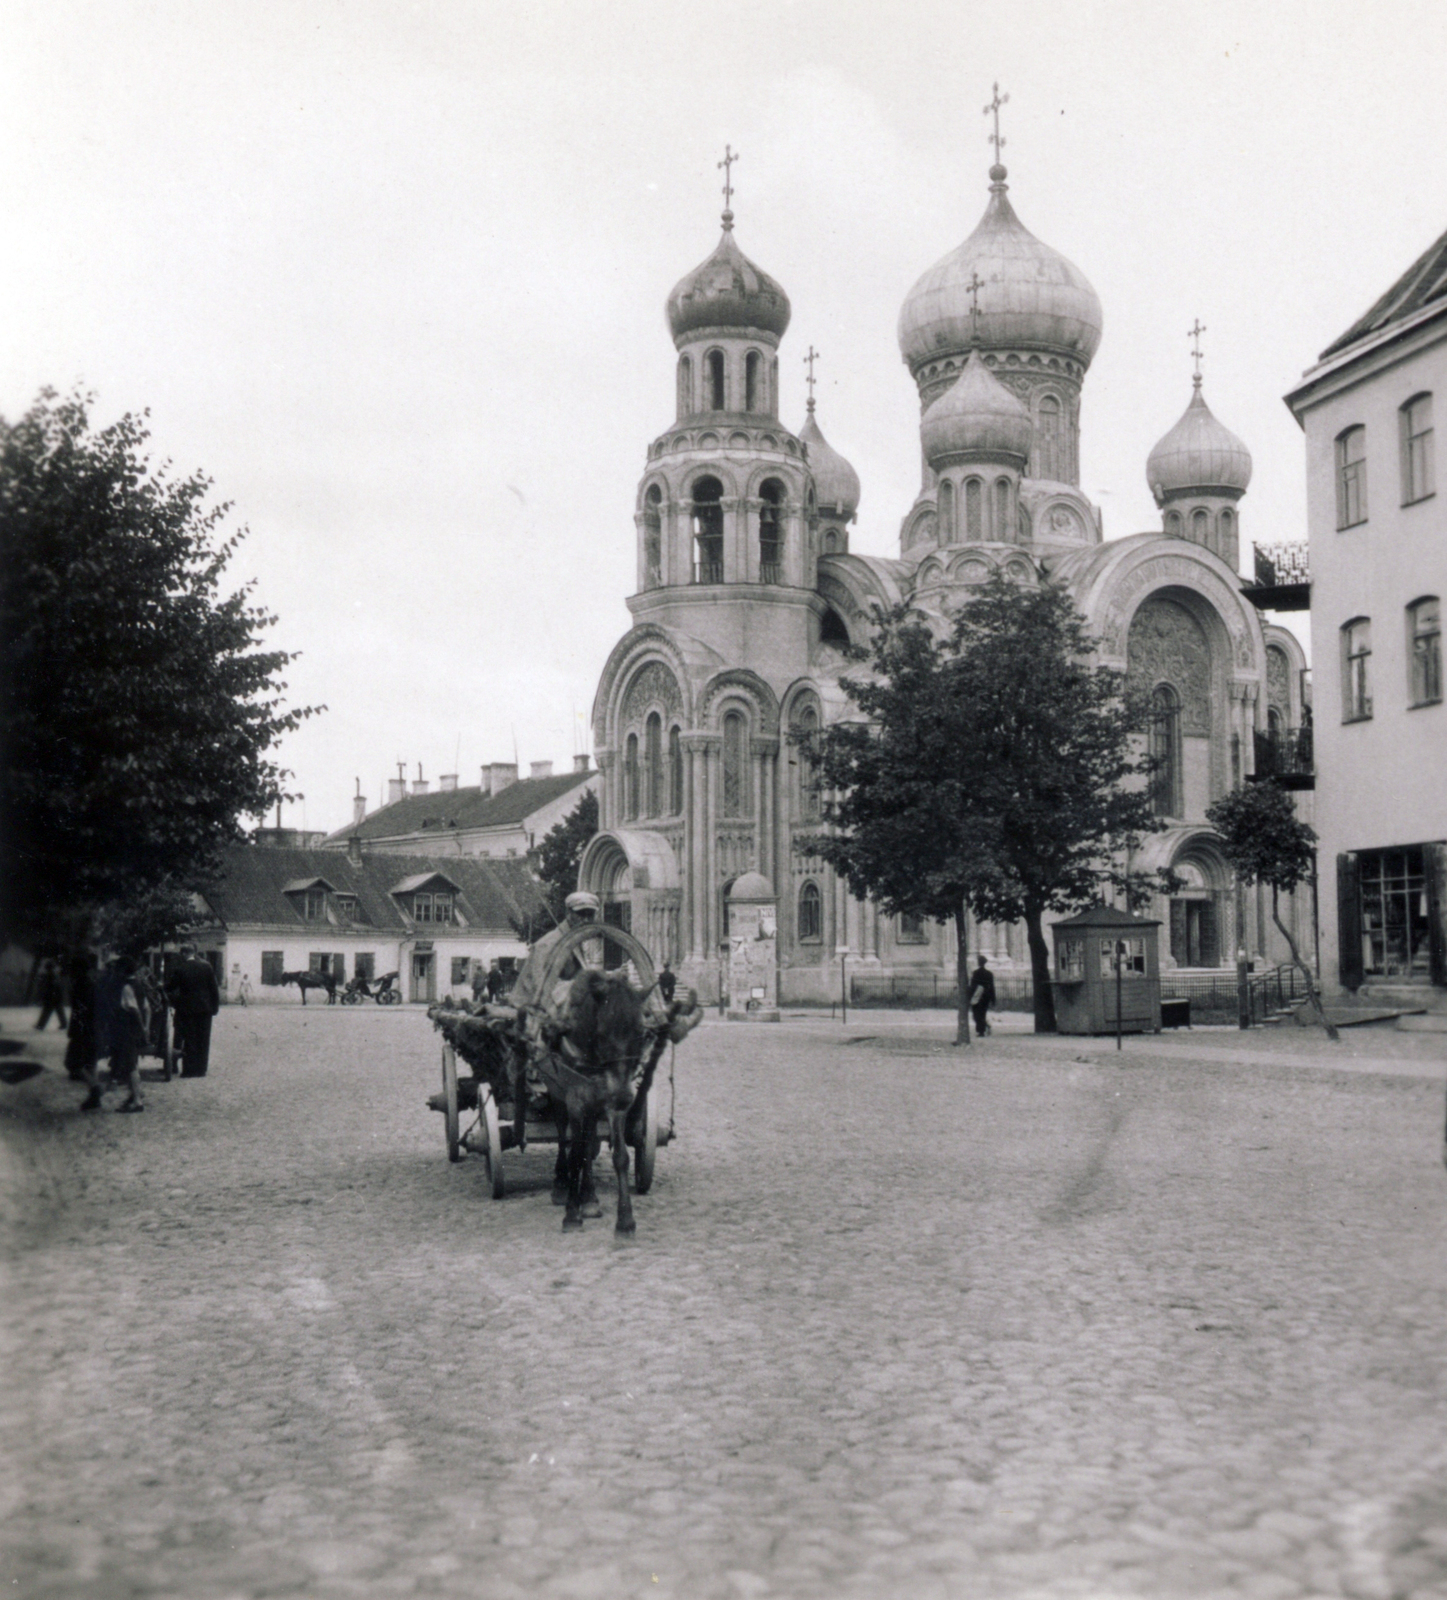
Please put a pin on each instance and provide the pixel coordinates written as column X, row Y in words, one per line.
column 1396, row 924
column 364, row 965
column 1132, row 957
column 273, row 964
column 1070, row 961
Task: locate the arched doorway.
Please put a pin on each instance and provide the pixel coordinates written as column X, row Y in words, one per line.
column 1201, row 911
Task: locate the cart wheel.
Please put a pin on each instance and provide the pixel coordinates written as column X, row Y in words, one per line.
column 492, row 1156
column 449, row 1095
column 392, row 998
column 168, row 1049
column 645, row 1148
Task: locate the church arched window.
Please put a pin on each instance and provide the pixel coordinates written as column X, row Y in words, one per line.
column 974, row 510
column 1002, row 510
column 1226, row 522
column 1173, row 524
column 832, row 628
column 811, row 920
column 771, row 531
column 1165, row 749
column 708, row 531
column 831, row 542
column 735, row 765
column 1201, row 526
column 653, row 764
column 946, row 511
column 675, row 771
column 715, row 360
column 630, row 778
column 1049, row 441
column 806, row 794
column 653, row 537
column 685, row 385
column 753, row 371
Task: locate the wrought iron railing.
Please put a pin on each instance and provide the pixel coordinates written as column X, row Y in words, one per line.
column 708, row 572
column 1281, row 565
column 771, row 572
column 1284, row 754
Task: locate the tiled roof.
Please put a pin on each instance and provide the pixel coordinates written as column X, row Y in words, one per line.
column 460, row 808
column 255, row 880
column 1423, row 282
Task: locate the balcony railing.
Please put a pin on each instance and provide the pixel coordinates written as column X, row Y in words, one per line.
column 771, row 572
column 708, row 572
column 1283, row 578
column 1287, row 757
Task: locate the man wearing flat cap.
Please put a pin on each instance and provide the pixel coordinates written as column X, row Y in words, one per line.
column 582, row 909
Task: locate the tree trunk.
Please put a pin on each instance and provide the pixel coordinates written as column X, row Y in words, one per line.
column 1040, row 972
column 1313, row 996
column 962, row 979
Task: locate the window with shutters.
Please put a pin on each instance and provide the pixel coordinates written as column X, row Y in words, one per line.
column 1395, row 920
column 273, row 964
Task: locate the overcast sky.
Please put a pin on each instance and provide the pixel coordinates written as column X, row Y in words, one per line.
column 394, row 276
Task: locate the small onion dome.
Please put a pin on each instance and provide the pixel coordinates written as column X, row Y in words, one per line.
column 836, row 483
column 751, row 886
column 727, row 291
column 977, row 416
column 1031, row 297
column 1198, row 453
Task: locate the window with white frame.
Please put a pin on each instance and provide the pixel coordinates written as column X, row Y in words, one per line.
column 1351, row 477
column 1418, row 478
column 1424, row 641
column 1356, row 646
column 811, row 919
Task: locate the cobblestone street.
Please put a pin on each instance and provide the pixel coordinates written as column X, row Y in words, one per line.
column 899, row 1320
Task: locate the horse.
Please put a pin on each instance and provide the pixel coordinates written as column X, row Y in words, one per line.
column 602, row 1065
column 313, row 980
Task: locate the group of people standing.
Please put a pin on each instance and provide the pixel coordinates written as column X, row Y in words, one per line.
column 113, row 1010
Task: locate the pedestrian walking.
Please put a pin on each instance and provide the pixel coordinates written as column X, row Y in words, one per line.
column 496, row 982
column 667, row 983
column 982, row 997
column 479, row 983
column 129, row 1027
column 51, row 994
column 195, row 1000
column 81, row 1045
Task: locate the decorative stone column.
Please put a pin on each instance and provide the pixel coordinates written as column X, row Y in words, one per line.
column 767, row 750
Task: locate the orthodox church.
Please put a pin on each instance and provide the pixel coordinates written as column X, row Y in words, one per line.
column 747, row 593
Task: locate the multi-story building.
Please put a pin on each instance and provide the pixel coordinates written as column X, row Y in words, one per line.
column 1378, row 557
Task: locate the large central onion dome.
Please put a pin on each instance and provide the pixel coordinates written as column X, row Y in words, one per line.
column 1031, row 297
column 727, row 291
column 1199, row 454
column 977, row 418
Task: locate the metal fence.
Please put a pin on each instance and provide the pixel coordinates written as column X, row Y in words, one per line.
column 1213, row 995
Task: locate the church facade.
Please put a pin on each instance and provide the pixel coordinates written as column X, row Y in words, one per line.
column 747, row 593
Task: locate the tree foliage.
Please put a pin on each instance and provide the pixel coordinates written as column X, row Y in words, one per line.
column 554, row 859
column 138, row 709
column 1262, row 837
column 993, row 771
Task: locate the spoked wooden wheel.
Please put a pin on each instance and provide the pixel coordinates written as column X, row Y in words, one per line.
column 645, row 1146
column 491, row 1131
column 449, row 1095
column 599, row 936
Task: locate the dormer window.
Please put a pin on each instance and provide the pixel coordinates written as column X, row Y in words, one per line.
column 314, row 905
column 347, row 907
column 436, row 907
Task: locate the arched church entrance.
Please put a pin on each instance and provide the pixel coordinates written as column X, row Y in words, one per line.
column 1201, row 911
column 634, row 873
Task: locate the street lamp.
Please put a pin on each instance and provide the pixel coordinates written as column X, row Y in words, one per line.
column 842, row 951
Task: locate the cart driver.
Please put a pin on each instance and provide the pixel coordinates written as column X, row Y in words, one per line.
column 582, row 910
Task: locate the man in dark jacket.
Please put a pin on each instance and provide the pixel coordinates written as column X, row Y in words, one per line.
column 195, row 999
column 982, row 997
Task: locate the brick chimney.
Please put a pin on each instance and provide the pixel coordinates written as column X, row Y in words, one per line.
column 500, row 775
column 419, row 786
column 359, row 805
column 354, row 850
column 580, row 763
column 396, row 790
column 447, row 783
column 541, row 769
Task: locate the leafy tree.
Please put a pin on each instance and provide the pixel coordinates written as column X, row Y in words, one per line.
column 1266, row 842
column 994, row 772
column 138, row 708
column 554, row 859
column 157, row 914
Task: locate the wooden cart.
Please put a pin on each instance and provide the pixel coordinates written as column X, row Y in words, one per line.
column 477, row 1098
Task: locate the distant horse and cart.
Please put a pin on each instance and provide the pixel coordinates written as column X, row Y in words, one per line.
column 583, row 1063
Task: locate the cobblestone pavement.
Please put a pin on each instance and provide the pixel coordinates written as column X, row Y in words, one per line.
column 899, row 1321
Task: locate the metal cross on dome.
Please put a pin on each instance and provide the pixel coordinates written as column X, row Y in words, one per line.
column 972, row 288
column 810, row 357
column 996, row 138
column 727, row 165
column 1194, row 334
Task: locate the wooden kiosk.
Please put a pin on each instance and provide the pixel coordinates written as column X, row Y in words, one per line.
column 1086, row 950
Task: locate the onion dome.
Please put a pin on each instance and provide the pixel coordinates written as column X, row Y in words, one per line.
column 836, row 483
column 1198, row 454
column 977, row 416
column 1030, row 296
column 727, row 291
